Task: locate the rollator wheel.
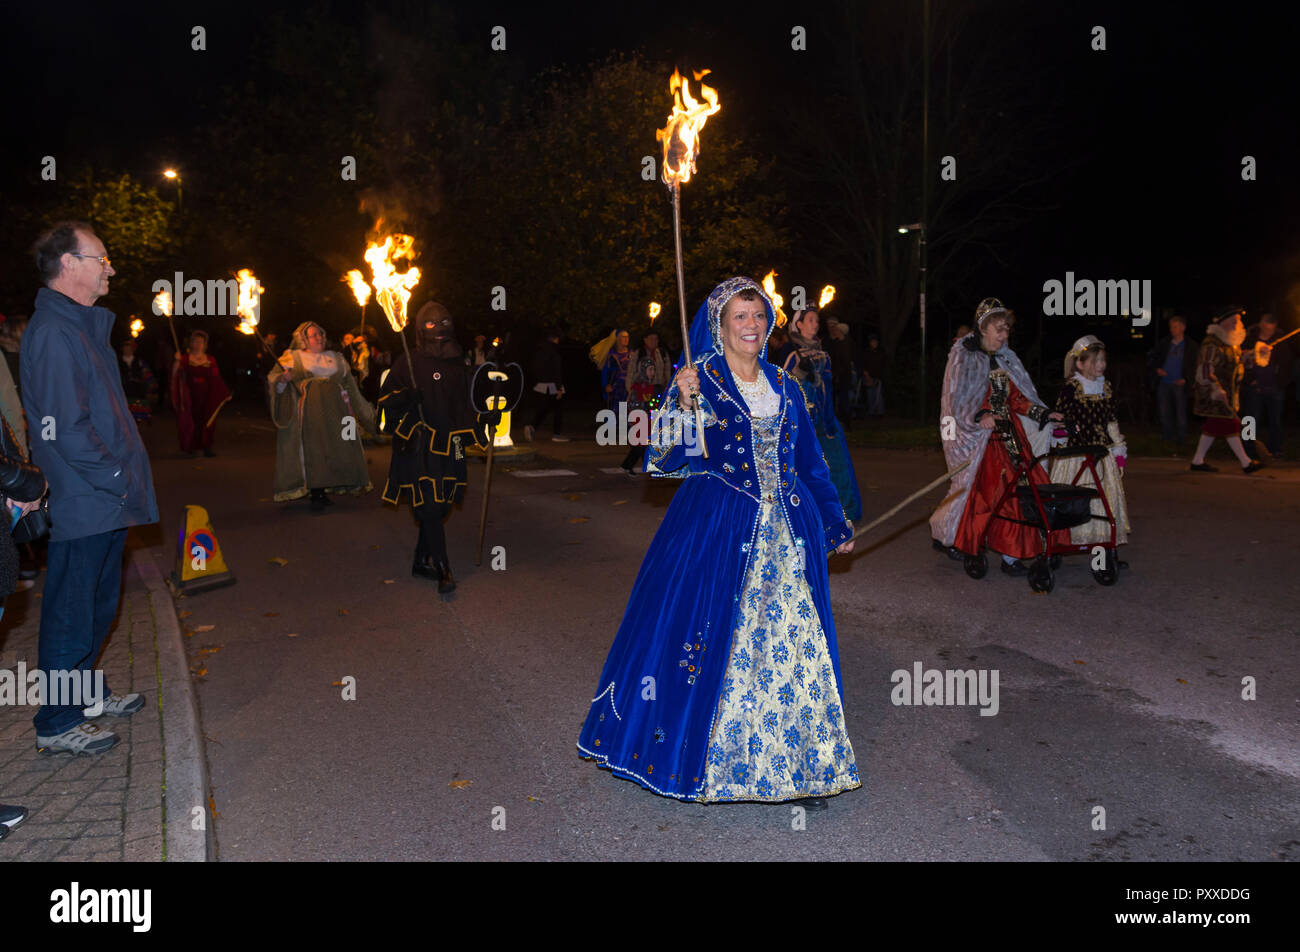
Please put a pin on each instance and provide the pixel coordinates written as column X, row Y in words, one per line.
column 977, row 566
column 1054, row 562
column 1110, row 574
column 1041, row 578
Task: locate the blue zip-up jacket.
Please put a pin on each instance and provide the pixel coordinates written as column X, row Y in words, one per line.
column 82, row 434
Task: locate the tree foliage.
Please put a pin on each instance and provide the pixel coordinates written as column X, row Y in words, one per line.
column 573, row 229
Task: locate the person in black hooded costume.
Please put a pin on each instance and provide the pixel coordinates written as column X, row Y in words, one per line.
column 433, row 423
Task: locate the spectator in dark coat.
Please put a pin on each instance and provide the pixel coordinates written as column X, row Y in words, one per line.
column 85, row 441
column 1268, row 373
column 1173, row 371
column 548, row 387
column 873, row 370
column 843, row 372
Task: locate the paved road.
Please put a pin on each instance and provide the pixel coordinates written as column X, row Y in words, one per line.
column 1125, row 698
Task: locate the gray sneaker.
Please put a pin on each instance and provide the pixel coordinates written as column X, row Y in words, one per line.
column 85, row 738
column 118, row 705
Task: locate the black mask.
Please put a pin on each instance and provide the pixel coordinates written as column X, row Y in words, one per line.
column 435, row 333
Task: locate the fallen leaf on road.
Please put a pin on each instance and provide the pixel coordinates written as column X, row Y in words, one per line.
column 573, row 497
column 536, row 800
column 337, row 684
column 209, row 649
column 460, row 784
column 1077, row 661
column 212, row 806
column 343, row 611
column 189, row 633
column 374, row 547
column 389, row 581
column 270, row 614
column 293, row 634
column 201, row 672
column 620, row 502
column 1180, row 680
column 185, row 614
column 577, row 519
column 279, row 561
column 205, row 627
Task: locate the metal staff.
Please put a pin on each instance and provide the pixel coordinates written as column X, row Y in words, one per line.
column 497, row 377
column 410, row 367
column 680, row 139
column 681, row 303
column 910, row 499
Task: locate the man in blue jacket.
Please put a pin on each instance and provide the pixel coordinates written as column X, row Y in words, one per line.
column 84, row 439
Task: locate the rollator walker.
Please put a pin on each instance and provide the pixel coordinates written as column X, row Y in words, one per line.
column 1048, row 507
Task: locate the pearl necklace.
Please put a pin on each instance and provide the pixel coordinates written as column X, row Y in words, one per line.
column 758, row 395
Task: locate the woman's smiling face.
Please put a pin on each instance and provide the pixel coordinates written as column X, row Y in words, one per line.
column 744, row 327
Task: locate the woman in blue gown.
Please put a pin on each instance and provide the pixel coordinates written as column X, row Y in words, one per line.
column 806, row 360
column 723, row 682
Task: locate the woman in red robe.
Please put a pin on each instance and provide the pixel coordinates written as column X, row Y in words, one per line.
column 198, row 392
column 988, row 399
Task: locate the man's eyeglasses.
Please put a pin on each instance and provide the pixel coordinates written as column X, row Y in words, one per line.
column 102, row 259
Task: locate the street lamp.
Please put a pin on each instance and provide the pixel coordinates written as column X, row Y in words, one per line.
column 173, row 176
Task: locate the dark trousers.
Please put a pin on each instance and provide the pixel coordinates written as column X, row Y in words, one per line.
column 546, row 403
column 432, row 541
column 1266, row 407
column 83, row 583
column 1172, row 401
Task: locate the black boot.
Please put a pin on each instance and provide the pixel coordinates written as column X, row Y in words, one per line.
column 423, row 567
column 318, row 500
column 446, row 581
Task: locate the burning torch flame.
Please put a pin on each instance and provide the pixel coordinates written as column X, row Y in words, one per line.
column 360, row 290
column 769, row 285
column 681, row 136
column 828, row 295
column 250, row 300
column 654, row 311
column 392, row 290
column 162, row 304
column 137, row 326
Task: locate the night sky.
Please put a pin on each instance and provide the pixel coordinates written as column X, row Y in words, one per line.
column 1148, row 136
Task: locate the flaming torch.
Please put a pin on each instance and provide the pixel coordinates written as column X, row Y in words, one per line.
column 393, row 290
column 250, row 308
column 137, row 326
column 681, row 145
column 361, row 291
column 162, row 305
column 654, row 311
column 250, row 302
column 769, row 285
column 828, row 295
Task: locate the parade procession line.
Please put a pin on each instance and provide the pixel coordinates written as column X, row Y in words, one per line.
column 146, row 799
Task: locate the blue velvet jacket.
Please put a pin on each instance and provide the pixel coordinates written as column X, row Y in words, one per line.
column 805, row 477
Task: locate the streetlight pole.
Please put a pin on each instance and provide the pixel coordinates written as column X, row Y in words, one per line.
column 925, row 184
column 173, row 176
